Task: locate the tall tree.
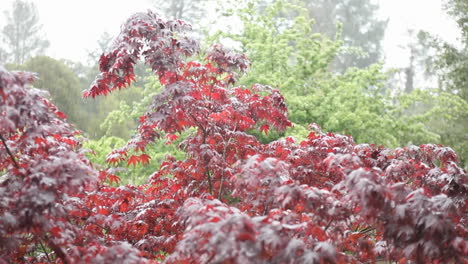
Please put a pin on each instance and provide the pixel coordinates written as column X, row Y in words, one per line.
column 188, row 10
column 349, row 103
column 452, row 61
column 360, row 29
column 458, row 9
column 3, row 55
column 448, row 63
column 103, row 43
column 22, row 34
column 421, row 52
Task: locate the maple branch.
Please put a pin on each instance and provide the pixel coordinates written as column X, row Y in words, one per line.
column 104, row 228
column 208, row 176
column 199, row 125
column 224, row 157
column 265, row 210
column 45, row 252
column 367, row 230
column 9, row 152
column 207, row 172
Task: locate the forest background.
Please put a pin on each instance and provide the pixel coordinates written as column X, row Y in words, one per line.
column 326, row 57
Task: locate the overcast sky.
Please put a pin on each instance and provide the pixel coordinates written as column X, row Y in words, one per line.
column 73, row 27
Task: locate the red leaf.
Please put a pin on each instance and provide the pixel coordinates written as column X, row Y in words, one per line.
column 40, row 140
column 264, row 128
column 61, row 115
column 113, row 178
column 133, row 160
column 103, row 210
column 55, row 231
column 245, row 236
column 102, row 175
column 170, row 138
column 144, row 159
column 319, row 233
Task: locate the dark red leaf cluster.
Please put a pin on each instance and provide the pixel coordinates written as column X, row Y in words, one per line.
column 43, row 172
column 162, row 43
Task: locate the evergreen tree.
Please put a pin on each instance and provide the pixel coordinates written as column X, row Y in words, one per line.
column 448, row 63
column 22, row 34
column 188, row 10
column 360, row 29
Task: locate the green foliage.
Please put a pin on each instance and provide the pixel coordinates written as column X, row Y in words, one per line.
column 444, row 110
column 88, row 115
column 120, row 123
column 135, row 175
column 361, row 29
column 285, row 53
column 458, row 9
column 62, row 84
column 442, row 113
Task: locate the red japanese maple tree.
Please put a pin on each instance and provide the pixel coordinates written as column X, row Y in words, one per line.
column 232, row 199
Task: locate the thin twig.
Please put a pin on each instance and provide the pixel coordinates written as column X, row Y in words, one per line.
column 9, row 152
column 328, row 225
column 224, row 158
column 208, row 175
column 265, row 210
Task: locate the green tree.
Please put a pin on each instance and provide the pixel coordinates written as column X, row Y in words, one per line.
column 105, row 114
column 137, row 174
column 120, row 123
column 188, row 10
column 286, row 53
column 458, row 9
column 22, row 33
column 451, row 62
column 361, row 28
column 62, row 84
column 446, row 109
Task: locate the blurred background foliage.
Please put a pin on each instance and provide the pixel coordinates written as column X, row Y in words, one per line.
column 324, row 56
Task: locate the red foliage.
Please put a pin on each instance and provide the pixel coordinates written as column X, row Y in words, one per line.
column 232, row 199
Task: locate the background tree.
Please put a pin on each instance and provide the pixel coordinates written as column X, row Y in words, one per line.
column 188, row 10
column 451, row 61
column 22, row 35
column 445, row 66
column 354, row 21
column 3, row 55
column 287, row 53
column 360, row 28
column 104, row 114
column 421, row 54
column 62, row 84
column 357, row 23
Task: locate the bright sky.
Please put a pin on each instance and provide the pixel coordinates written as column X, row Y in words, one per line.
column 73, row 27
